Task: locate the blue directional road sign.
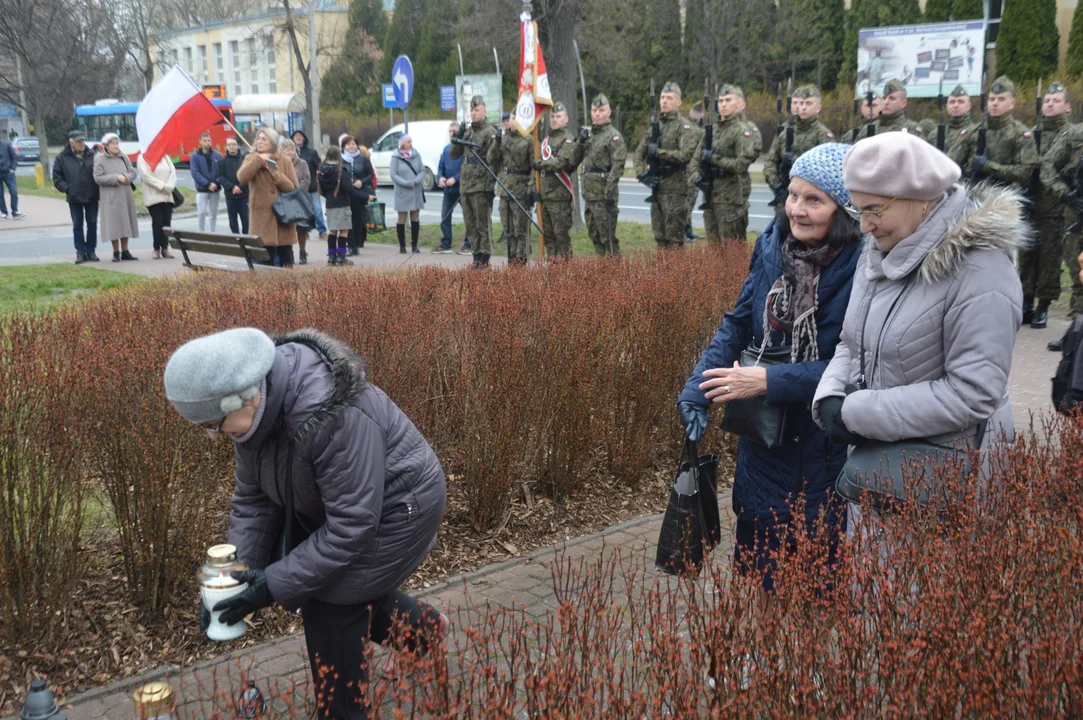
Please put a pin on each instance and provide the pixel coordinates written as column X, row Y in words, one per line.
column 402, row 81
column 389, row 97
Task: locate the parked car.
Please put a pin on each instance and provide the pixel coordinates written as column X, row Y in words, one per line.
column 430, row 137
column 27, row 148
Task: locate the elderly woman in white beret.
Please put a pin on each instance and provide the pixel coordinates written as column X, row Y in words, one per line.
column 114, row 174
column 927, row 342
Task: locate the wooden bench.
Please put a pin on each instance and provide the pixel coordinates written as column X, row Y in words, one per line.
column 249, row 247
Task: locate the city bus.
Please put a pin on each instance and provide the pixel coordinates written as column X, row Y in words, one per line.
column 106, row 116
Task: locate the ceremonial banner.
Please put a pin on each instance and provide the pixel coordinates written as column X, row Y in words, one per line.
column 534, row 95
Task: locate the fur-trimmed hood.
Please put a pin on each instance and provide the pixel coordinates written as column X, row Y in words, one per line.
column 347, row 373
column 981, row 217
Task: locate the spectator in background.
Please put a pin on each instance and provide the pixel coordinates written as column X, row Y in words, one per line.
column 73, row 175
column 268, row 174
column 310, row 156
column 114, row 174
column 335, row 180
column 288, row 149
column 204, row 167
column 363, row 178
column 407, row 174
column 158, row 186
column 448, row 179
column 236, row 192
column 8, row 163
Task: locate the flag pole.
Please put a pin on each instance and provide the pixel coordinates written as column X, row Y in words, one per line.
column 537, row 188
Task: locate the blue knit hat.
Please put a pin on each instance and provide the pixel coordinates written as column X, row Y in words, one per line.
column 822, row 166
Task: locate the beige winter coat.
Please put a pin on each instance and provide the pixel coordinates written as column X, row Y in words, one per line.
column 158, row 185
column 117, row 204
column 264, row 186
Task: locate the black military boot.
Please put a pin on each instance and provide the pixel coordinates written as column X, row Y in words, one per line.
column 1040, row 317
column 400, row 230
column 1028, row 310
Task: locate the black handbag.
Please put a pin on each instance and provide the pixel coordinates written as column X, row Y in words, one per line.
column 754, row 418
column 691, row 526
column 294, row 208
column 178, row 198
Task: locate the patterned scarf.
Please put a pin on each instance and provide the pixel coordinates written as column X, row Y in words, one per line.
column 791, row 301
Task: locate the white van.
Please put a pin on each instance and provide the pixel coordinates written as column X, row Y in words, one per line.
column 430, row 137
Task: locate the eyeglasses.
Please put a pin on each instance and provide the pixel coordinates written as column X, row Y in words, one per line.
column 212, row 427
column 872, row 217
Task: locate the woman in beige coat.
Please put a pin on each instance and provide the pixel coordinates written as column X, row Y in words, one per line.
column 114, row 174
column 267, row 174
column 158, row 186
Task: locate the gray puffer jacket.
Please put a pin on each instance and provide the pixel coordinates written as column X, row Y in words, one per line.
column 366, row 484
column 939, row 314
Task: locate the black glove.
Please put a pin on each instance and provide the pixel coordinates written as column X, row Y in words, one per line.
column 831, row 415
column 535, row 197
column 647, row 179
column 255, row 597
column 536, row 163
column 694, row 418
column 499, row 134
column 787, row 159
column 204, row 615
column 652, row 150
column 977, row 165
column 584, row 135
column 611, row 205
column 461, row 132
column 707, row 156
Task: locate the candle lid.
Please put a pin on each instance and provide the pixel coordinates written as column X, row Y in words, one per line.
column 153, row 699
column 223, row 554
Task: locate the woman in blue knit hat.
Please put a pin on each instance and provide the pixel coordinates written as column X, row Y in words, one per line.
column 767, row 359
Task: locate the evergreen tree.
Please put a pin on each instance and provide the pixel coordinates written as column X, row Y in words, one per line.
column 420, row 29
column 1028, row 42
column 821, row 21
column 968, row 10
column 352, row 80
column 937, row 11
column 873, row 13
column 1073, row 64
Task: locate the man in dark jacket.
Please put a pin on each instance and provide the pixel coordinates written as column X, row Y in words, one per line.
column 236, row 191
column 447, row 173
column 204, row 167
column 308, row 153
column 73, row 175
column 8, row 163
column 364, row 486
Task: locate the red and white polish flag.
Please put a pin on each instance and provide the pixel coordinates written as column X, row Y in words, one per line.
column 534, row 95
column 174, row 113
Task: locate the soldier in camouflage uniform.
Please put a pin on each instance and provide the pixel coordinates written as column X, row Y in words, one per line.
column 674, row 152
column 512, row 156
column 558, row 156
column 959, row 124
column 696, row 120
column 1059, row 171
column 733, row 149
column 757, row 145
column 808, row 132
column 893, row 112
column 1039, row 264
column 1010, row 157
column 475, row 180
column 601, row 158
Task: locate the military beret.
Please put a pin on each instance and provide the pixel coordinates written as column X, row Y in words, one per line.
column 1002, row 84
column 731, row 90
column 959, row 91
column 1055, row 88
column 476, row 101
column 806, row 91
column 600, row 101
column 506, row 116
column 672, row 87
column 893, row 86
column 559, row 107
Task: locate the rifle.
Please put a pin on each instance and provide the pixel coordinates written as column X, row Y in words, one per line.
column 941, row 129
column 1035, row 187
column 651, row 176
column 706, row 167
column 976, row 176
column 870, row 128
column 854, row 116
column 786, row 161
column 1078, row 189
column 473, row 148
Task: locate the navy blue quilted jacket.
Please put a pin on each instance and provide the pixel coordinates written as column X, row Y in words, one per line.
column 766, row 481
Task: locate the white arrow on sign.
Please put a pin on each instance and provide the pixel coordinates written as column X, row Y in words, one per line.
column 401, row 80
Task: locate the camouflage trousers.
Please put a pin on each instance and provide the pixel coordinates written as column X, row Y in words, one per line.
column 478, row 218
column 505, row 213
column 668, row 218
column 516, row 232
column 1039, row 265
column 725, row 221
column 693, row 194
column 601, row 216
column 557, row 226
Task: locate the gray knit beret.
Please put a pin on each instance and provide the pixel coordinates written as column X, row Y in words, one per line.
column 212, row 376
column 901, row 165
column 822, row 166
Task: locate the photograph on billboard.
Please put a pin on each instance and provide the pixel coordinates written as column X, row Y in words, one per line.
column 921, row 56
column 488, row 86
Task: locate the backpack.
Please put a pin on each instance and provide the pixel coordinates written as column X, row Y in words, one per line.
column 1062, row 380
